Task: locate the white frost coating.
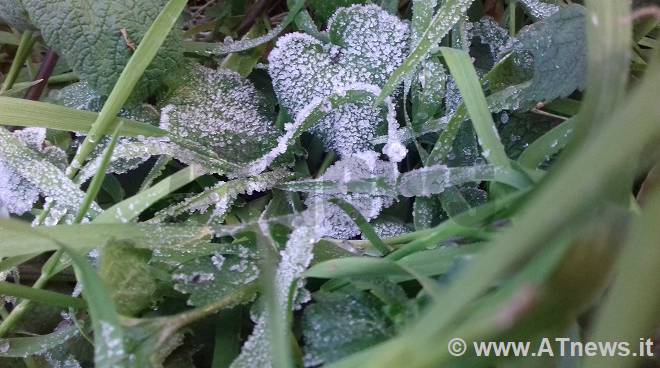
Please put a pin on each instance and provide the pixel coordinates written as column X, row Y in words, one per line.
column 386, row 228
column 28, row 169
column 295, row 259
column 369, row 44
column 394, row 149
column 538, row 9
column 435, row 179
column 335, row 221
column 220, row 110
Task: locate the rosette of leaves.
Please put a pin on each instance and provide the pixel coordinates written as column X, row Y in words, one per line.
column 223, row 112
column 366, row 45
column 98, row 37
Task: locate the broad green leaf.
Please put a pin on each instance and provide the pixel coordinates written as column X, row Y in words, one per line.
column 553, row 51
column 538, row 9
column 211, row 278
column 13, row 13
column 339, row 324
column 221, row 111
column 20, row 112
column 29, row 173
column 366, row 45
column 127, row 276
column 84, row 238
column 97, row 38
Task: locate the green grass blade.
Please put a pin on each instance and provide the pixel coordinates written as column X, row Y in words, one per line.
column 21, row 347
column 25, row 113
column 22, row 54
column 548, row 144
column 365, row 227
column 97, row 181
column 450, row 13
column 630, row 309
column 130, row 208
column 84, row 238
column 41, row 296
column 543, row 218
column 461, row 68
column 130, row 76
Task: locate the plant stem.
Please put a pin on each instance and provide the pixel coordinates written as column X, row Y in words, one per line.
column 24, row 48
column 45, row 71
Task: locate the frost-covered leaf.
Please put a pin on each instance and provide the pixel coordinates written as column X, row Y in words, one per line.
column 340, row 324
column 222, row 195
column 295, row 258
column 388, row 228
column 336, row 223
column 553, row 52
column 538, row 9
column 210, row 278
column 367, row 44
column 130, row 153
column 97, row 37
column 34, row 345
column 27, row 169
column 222, row 111
column 14, row 14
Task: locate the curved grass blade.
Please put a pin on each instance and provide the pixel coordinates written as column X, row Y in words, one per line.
column 21, row 347
column 461, row 68
column 131, row 208
column 26, row 113
column 548, row 144
column 365, row 227
column 443, row 21
column 41, row 296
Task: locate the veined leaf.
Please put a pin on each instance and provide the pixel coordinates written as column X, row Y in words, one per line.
column 366, row 45
column 13, row 12
column 20, row 347
column 97, row 38
column 222, row 111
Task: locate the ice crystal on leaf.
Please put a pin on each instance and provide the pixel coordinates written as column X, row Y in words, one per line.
column 221, row 111
column 538, row 9
column 366, row 45
column 365, row 166
column 28, row 168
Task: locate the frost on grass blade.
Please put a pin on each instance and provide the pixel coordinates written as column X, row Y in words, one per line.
column 294, row 260
column 367, row 45
column 29, row 169
column 221, row 111
column 538, row 10
column 436, row 179
column 336, row 223
column 388, row 228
